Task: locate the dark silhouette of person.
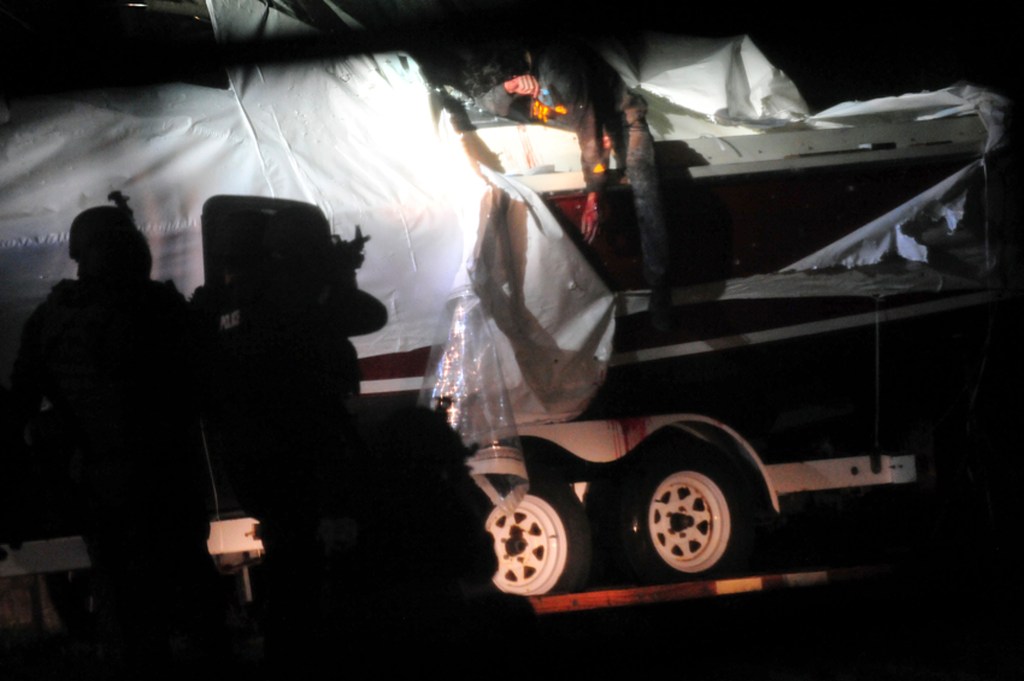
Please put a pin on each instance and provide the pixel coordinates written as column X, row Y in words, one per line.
column 16, row 471
column 275, row 320
column 40, row 500
column 110, row 352
column 424, row 561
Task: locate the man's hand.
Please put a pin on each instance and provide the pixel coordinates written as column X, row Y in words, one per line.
column 523, row 85
column 593, row 213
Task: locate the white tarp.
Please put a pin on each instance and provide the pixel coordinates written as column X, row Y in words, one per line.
column 359, row 138
column 725, row 79
column 933, row 221
column 355, row 136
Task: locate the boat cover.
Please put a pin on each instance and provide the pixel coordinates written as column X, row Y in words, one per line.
column 360, row 137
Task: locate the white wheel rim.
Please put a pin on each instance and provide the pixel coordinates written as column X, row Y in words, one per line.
column 688, row 520
column 531, row 547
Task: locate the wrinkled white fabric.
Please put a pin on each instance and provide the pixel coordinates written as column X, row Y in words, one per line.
column 359, row 137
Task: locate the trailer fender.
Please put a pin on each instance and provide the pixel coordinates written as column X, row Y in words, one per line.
column 727, row 440
column 605, row 441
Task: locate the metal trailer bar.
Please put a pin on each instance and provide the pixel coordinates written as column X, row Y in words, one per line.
column 233, row 537
column 238, row 536
column 664, row 593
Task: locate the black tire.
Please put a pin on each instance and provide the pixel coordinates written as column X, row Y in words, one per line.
column 543, row 545
column 685, row 513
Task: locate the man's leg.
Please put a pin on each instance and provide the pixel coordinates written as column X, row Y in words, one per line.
column 643, row 178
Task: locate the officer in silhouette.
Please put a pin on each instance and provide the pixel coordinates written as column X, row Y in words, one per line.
column 275, row 322
column 110, row 352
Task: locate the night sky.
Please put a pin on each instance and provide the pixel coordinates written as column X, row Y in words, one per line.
column 833, row 53
column 866, row 63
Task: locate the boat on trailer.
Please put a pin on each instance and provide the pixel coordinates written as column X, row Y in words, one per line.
column 836, row 276
column 835, row 285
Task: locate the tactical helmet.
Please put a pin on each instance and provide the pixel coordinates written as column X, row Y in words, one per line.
column 106, row 244
column 91, row 222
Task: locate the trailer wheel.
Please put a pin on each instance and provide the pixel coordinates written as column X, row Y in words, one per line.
column 686, row 515
column 543, row 546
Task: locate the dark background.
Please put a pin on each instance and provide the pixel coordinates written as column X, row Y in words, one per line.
column 832, row 52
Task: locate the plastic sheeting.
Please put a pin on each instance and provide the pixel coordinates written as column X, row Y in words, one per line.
column 466, row 382
column 932, row 223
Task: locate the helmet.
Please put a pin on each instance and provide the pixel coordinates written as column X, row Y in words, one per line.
column 106, row 244
column 90, row 223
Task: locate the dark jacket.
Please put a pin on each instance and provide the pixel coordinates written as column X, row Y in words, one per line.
column 113, row 358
